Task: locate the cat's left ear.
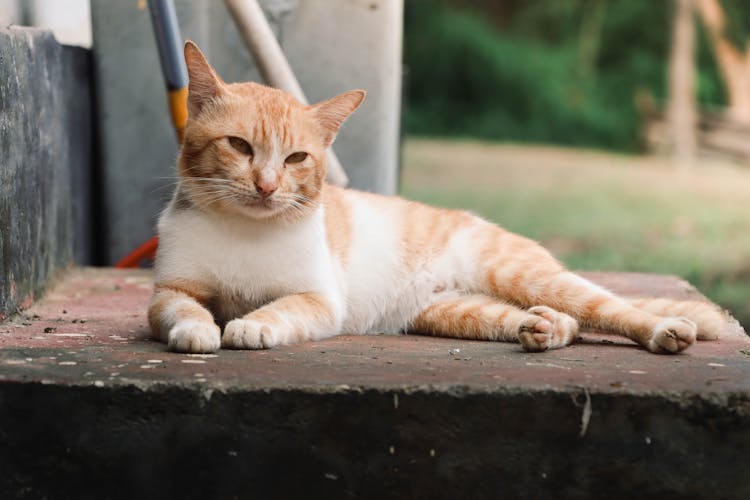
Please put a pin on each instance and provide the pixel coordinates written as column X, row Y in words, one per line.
column 204, row 84
column 331, row 114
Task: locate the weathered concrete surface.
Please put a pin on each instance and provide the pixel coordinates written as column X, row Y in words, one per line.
column 86, row 394
column 45, row 161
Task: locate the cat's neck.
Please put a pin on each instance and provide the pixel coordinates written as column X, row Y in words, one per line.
column 273, row 225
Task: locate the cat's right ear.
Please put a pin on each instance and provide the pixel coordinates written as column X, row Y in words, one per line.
column 204, row 83
column 331, row 114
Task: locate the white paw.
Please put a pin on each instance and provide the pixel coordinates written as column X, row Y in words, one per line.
column 547, row 329
column 194, row 337
column 249, row 334
column 672, row 335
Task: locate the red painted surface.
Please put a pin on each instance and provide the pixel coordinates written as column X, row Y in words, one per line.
column 91, row 329
column 146, row 251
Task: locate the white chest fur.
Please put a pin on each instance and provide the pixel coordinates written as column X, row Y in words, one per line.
column 253, row 262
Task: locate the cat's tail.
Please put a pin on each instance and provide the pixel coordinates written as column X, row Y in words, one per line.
column 711, row 321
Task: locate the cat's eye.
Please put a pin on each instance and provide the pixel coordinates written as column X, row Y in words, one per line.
column 241, row 145
column 298, row 157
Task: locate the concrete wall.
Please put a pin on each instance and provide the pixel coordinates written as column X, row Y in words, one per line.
column 45, row 161
column 69, row 20
column 333, row 46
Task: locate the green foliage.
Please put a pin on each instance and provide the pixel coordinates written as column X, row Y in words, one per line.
column 738, row 21
column 559, row 71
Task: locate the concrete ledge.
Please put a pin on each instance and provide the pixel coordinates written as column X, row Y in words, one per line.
column 89, row 407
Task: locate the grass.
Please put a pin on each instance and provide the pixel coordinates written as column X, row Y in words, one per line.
column 601, row 211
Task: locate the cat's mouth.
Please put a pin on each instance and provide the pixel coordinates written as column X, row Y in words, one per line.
column 251, row 204
column 261, row 203
column 256, row 206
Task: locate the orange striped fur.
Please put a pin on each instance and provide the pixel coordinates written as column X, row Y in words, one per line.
column 254, row 240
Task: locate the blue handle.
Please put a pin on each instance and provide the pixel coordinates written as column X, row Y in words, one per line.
column 169, row 42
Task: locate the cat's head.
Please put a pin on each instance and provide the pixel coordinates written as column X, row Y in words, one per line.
column 252, row 149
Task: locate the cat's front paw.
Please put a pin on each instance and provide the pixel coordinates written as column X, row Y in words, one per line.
column 194, row 337
column 672, row 335
column 249, row 334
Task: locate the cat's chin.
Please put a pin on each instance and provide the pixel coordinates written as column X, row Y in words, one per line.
column 258, row 210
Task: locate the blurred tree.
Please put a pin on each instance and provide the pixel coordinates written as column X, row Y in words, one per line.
column 590, row 37
column 730, row 44
column 559, row 71
column 682, row 107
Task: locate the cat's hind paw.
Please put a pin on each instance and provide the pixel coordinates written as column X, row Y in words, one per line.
column 249, row 334
column 547, row 329
column 196, row 337
column 672, row 335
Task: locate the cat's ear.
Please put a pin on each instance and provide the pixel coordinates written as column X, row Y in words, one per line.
column 204, row 83
column 331, row 114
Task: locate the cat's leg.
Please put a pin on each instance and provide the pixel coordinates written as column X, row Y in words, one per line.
column 709, row 319
column 482, row 317
column 178, row 318
column 289, row 319
column 541, row 283
column 519, row 270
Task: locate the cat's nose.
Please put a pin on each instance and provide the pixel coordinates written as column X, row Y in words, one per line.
column 265, row 188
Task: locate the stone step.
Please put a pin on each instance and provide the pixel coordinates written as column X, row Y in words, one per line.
column 90, row 406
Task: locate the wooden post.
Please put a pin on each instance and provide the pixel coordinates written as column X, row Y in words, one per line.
column 733, row 61
column 682, row 108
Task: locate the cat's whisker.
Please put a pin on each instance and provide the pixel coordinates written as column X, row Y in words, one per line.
column 208, row 188
column 210, row 191
column 217, row 197
column 207, row 180
column 190, row 168
column 163, row 187
column 210, row 196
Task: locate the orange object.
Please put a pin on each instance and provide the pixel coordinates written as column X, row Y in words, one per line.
column 178, row 110
column 145, row 251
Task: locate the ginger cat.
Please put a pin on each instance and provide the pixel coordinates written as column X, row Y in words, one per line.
column 254, row 239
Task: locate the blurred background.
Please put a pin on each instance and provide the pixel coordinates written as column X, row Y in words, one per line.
column 614, row 132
